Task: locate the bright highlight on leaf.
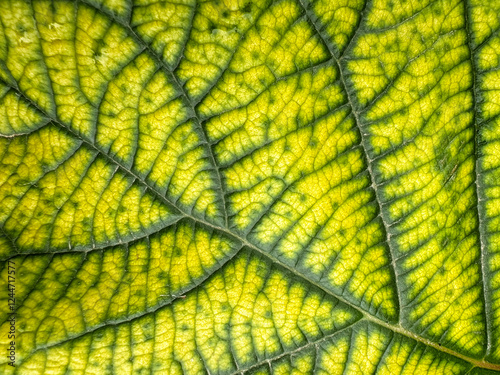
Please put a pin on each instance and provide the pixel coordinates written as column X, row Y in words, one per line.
column 250, row 187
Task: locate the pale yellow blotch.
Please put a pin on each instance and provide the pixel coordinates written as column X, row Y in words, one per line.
column 135, row 297
column 199, row 191
column 164, row 343
column 241, row 332
column 185, row 340
column 425, row 184
column 216, row 31
column 72, row 323
column 285, row 107
column 118, row 305
column 426, row 220
column 410, row 117
column 247, row 204
column 240, row 129
column 301, row 363
column 298, row 154
column 57, row 359
column 430, row 196
column 314, row 200
column 406, row 360
column 140, row 211
column 181, row 145
column 187, row 180
column 334, row 356
column 40, row 204
column 491, row 105
column 40, row 326
column 448, row 297
column 157, row 92
column 490, row 161
column 25, row 160
column 387, row 12
column 142, row 337
column 36, row 364
column 101, row 350
column 299, row 48
column 104, row 48
column 73, row 221
column 160, row 114
column 407, row 159
column 261, row 311
column 248, row 74
column 185, row 263
column 366, row 350
column 274, row 48
column 77, row 356
column 162, row 25
column 234, row 309
column 118, row 8
column 490, row 59
column 379, row 57
column 56, row 26
column 24, row 53
column 264, row 328
column 106, row 210
column 235, row 90
column 264, row 370
column 16, row 115
column 122, row 209
column 118, row 114
column 340, row 19
column 317, row 316
column 211, row 334
column 123, row 350
column 181, row 256
column 286, row 303
column 94, row 289
column 362, row 266
column 484, row 19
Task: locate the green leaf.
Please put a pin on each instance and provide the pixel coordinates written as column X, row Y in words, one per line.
column 265, row 187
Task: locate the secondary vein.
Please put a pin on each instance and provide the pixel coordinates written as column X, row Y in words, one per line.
column 363, row 144
column 486, row 295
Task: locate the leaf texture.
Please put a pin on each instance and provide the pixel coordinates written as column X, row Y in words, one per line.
column 250, row 187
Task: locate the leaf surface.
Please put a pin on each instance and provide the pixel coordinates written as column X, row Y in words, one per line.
column 265, row 187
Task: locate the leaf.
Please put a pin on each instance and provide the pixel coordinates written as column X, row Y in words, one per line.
column 233, row 187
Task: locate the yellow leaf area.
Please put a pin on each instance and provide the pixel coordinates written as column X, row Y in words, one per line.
column 62, row 296
column 417, row 101
column 250, row 311
column 291, row 161
column 486, row 27
column 264, row 187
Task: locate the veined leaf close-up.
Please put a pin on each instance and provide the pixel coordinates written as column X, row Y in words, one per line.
column 250, row 187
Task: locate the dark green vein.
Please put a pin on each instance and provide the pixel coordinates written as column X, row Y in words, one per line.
column 298, row 350
column 486, row 295
column 363, row 144
column 185, row 98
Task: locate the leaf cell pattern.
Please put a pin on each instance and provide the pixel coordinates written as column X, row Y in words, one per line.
column 251, row 187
